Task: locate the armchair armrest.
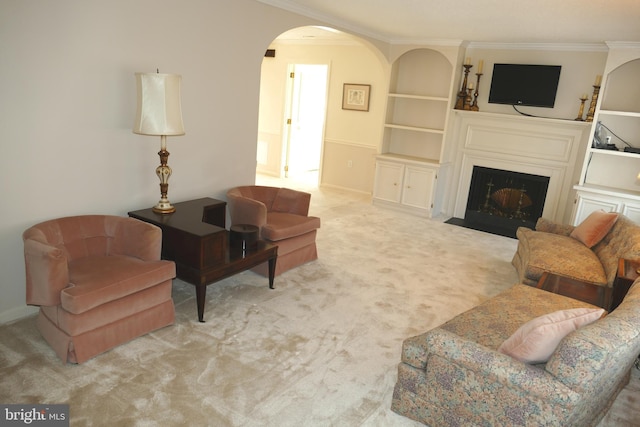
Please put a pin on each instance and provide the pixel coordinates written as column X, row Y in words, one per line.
column 496, row 367
column 549, row 226
column 137, row 239
column 47, row 273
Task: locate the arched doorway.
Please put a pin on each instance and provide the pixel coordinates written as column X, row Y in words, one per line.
column 301, row 90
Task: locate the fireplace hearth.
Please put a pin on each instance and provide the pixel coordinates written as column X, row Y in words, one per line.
column 500, row 201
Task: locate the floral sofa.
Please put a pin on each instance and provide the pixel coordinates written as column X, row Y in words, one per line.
column 454, row 374
column 552, row 247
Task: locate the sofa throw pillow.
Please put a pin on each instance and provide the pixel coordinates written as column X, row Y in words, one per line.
column 594, row 227
column 536, row 340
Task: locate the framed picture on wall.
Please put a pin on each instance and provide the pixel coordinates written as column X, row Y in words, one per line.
column 355, row 97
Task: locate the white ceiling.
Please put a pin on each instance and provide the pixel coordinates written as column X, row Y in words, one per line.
column 482, row 21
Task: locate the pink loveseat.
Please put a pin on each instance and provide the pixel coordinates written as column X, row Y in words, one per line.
column 282, row 216
column 99, row 282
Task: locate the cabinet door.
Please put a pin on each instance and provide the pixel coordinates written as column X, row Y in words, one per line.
column 418, row 186
column 388, row 183
column 589, row 203
column 632, row 211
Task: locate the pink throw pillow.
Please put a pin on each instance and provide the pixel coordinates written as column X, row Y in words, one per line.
column 594, row 227
column 536, row 340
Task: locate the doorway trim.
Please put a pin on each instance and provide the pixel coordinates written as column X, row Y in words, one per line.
column 298, row 107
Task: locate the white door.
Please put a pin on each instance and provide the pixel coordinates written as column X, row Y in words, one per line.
column 305, row 127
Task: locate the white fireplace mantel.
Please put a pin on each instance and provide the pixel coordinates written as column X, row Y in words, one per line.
column 538, row 146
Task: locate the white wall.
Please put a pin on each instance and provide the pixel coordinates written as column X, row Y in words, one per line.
column 68, row 102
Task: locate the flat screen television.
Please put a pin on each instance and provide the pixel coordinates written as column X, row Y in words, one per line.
column 522, row 84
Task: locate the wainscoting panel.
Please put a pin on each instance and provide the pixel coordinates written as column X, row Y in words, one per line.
column 268, row 154
column 349, row 166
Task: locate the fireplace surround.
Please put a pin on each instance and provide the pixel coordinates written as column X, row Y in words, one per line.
column 541, row 147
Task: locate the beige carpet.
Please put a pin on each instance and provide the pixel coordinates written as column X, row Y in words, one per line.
column 319, row 350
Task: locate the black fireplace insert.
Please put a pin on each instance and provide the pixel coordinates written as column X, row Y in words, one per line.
column 500, row 201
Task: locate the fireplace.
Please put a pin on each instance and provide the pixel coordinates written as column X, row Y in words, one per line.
column 500, row 201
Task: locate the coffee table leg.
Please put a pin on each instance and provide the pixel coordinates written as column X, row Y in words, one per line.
column 272, row 270
column 201, row 296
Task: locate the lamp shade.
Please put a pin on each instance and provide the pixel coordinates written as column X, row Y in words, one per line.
column 159, row 110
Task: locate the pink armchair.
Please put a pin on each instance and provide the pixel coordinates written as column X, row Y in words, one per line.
column 99, row 282
column 282, row 215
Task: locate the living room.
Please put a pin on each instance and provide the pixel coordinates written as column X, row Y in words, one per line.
column 116, row 165
column 70, row 103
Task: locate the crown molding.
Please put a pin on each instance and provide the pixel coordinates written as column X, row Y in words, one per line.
column 571, row 47
column 623, row 45
column 317, row 42
column 429, row 42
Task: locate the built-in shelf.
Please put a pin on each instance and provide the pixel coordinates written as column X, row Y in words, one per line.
column 414, row 128
column 615, row 153
column 411, row 153
column 609, row 179
column 609, row 191
column 408, row 159
column 620, row 113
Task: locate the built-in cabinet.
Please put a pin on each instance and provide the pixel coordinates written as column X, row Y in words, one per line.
column 595, row 199
column 610, row 178
column 412, row 151
column 405, row 184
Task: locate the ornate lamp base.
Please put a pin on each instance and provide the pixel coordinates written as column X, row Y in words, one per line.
column 164, row 207
column 163, row 171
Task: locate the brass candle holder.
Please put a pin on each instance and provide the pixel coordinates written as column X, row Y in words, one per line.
column 583, row 99
column 467, row 100
column 474, row 106
column 592, row 106
column 462, row 95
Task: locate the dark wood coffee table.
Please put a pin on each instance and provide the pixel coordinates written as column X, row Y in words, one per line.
column 195, row 238
column 576, row 289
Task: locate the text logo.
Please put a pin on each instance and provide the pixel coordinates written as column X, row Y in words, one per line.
column 34, row 415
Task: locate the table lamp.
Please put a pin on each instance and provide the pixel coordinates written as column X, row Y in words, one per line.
column 159, row 113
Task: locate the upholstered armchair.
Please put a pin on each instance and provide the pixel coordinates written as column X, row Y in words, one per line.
column 99, row 282
column 282, row 216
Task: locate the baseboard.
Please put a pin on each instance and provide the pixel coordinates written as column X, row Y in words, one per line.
column 338, row 187
column 17, row 313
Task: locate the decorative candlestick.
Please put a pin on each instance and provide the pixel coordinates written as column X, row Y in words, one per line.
column 592, row 106
column 594, row 98
column 583, row 99
column 462, row 95
column 474, row 106
column 467, row 99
